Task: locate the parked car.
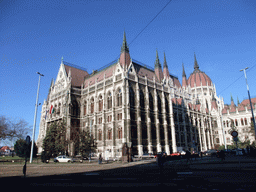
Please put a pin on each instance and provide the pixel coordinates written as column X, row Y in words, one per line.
column 211, row 152
column 63, row 158
column 175, row 154
column 182, row 152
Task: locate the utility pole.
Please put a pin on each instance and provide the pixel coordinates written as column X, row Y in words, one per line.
column 34, row 127
column 253, row 119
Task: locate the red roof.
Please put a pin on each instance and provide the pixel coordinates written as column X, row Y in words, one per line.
column 198, row 77
column 77, row 75
column 247, row 102
column 4, row 148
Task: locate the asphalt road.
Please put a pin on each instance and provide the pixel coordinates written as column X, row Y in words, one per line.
column 209, row 174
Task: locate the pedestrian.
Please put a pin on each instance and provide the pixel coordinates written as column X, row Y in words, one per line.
column 100, row 159
column 222, row 155
column 188, row 156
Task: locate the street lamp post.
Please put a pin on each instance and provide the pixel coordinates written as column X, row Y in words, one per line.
column 34, row 126
column 253, row 119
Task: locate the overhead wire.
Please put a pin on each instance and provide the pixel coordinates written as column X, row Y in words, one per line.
column 236, row 80
column 147, row 25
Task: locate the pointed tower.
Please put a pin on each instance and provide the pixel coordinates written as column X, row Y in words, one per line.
column 165, row 70
column 125, row 58
column 158, row 68
column 184, row 77
column 196, row 66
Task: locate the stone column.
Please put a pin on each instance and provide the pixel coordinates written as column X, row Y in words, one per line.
column 139, row 131
column 199, row 133
column 174, row 145
column 158, row 139
column 113, row 122
column 150, row 146
column 128, row 115
column 210, row 122
column 204, row 136
column 166, row 139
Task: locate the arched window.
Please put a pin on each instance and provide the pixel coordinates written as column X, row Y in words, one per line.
column 132, row 97
column 159, row 103
column 119, row 133
column 109, row 100
column 92, row 105
column 151, row 102
column 166, row 104
column 119, row 98
column 245, row 121
column 109, row 134
column 100, row 103
column 242, row 121
column 142, row 99
column 85, row 105
column 100, row 135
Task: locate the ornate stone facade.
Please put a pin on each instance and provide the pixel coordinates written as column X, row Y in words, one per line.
column 129, row 102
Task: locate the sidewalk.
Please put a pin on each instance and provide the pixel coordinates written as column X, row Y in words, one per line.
column 233, row 163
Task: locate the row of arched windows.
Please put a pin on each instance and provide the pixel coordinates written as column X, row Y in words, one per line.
column 109, row 134
column 91, row 103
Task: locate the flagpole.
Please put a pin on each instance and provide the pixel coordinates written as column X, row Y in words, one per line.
column 33, row 136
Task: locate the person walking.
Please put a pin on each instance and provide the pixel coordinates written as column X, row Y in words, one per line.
column 188, row 156
column 100, row 159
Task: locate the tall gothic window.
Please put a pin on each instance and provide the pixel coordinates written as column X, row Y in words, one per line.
column 245, row 121
column 142, row 99
column 159, row 103
column 109, row 134
column 109, row 100
column 119, row 133
column 151, row 104
column 100, row 103
column 132, row 97
column 242, row 121
column 100, row 135
column 119, row 97
column 92, row 105
column 85, row 105
column 166, row 104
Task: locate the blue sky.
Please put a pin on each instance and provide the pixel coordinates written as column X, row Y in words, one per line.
column 34, row 35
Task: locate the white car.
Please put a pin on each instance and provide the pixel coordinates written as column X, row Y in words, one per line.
column 63, row 158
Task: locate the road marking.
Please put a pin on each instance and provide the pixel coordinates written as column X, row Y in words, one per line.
column 91, row 173
column 184, row 173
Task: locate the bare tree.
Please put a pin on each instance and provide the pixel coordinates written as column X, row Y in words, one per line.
column 11, row 129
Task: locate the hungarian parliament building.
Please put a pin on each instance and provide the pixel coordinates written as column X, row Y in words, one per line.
column 146, row 108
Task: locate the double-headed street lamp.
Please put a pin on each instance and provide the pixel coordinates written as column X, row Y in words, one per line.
column 253, row 119
column 33, row 136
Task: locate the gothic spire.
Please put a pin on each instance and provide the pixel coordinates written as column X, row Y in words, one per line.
column 165, row 63
column 157, row 61
column 124, row 46
column 184, row 78
column 196, row 66
column 125, row 58
column 165, row 70
column 183, row 70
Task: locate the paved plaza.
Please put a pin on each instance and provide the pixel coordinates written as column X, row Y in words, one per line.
column 206, row 173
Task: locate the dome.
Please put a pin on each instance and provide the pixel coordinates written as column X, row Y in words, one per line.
column 198, row 78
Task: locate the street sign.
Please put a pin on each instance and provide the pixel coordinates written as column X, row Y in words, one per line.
column 234, row 133
column 235, row 139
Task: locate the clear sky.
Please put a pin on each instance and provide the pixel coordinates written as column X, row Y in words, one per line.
column 34, row 35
